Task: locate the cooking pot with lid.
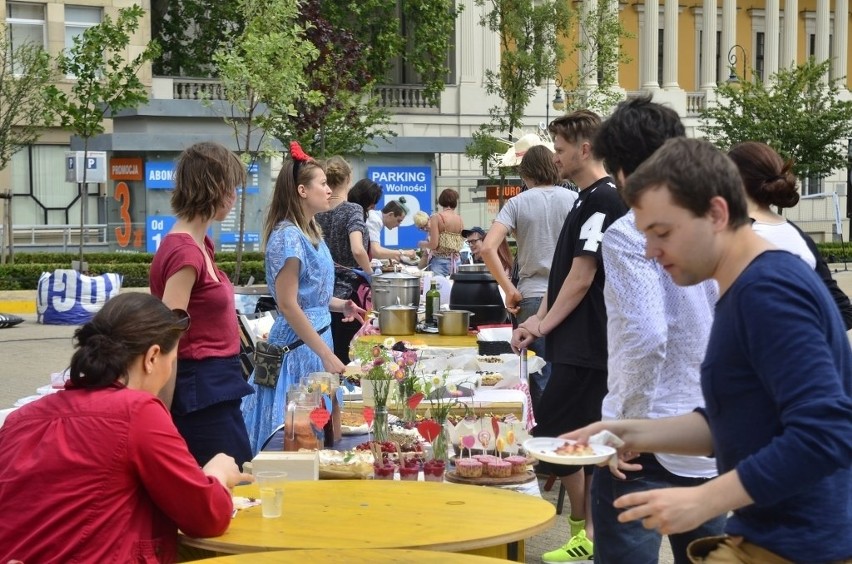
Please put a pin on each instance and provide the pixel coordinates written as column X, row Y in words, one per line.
column 478, row 293
column 395, row 288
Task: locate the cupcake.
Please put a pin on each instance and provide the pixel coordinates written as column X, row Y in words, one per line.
column 499, row 469
column 519, row 464
column 486, row 459
column 469, row 468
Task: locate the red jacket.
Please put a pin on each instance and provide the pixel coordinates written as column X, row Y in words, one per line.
column 101, row 476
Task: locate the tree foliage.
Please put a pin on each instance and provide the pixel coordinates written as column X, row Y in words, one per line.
column 190, row 32
column 595, row 86
column 337, row 113
column 797, row 112
column 262, row 70
column 103, row 80
column 530, row 34
column 358, row 43
column 25, row 72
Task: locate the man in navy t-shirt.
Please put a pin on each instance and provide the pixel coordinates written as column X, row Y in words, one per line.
column 776, row 378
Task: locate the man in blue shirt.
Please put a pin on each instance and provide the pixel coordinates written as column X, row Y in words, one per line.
column 776, row 378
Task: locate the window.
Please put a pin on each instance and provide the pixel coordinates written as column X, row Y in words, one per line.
column 660, row 57
column 77, row 20
column 812, row 185
column 42, row 197
column 25, row 24
column 760, row 54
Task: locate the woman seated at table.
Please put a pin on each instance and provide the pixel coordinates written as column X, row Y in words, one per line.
column 98, row 472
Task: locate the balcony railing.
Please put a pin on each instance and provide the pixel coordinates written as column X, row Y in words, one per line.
column 402, row 98
column 695, row 102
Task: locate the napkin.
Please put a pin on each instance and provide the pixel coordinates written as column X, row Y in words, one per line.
column 609, row 439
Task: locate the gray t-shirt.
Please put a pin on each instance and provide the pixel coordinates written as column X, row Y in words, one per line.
column 536, row 216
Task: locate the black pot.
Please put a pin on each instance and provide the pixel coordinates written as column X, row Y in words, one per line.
column 478, row 293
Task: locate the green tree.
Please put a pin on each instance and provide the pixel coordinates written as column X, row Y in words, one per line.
column 262, row 70
column 531, row 35
column 190, row 32
column 25, row 73
column 797, row 112
column 104, row 81
column 346, row 115
column 595, row 86
column 358, row 42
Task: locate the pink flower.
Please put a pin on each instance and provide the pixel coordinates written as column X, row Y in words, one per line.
column 378, row 361
column 409, row 357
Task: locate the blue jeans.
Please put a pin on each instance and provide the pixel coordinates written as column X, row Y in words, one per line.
column 617, row 543
column 528, row 308
column 441, row 266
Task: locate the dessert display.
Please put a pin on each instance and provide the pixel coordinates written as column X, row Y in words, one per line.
column 498, row 469
column 469, row 468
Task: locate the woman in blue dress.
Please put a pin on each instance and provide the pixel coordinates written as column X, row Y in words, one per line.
column 300, row 276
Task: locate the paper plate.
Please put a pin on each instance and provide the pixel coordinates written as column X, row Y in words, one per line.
column 544, row 449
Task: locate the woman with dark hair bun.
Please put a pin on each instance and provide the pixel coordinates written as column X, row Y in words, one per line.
column 768, row 181
column 98, row 472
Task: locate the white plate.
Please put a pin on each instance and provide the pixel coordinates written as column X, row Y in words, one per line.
column 543, row 448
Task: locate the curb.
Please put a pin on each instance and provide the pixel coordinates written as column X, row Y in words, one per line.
column 18, row 306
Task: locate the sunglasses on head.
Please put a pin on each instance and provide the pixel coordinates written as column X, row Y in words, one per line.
column 183, row 319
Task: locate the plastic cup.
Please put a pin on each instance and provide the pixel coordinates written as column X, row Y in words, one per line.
column 271, row 486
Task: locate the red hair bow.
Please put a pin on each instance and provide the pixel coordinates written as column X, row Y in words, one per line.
column 297, row 154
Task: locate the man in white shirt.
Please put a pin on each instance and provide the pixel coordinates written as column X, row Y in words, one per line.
column 657, row 334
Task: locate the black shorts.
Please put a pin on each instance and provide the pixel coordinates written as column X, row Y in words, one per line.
column 572, row 399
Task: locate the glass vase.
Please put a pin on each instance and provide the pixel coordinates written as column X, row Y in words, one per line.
column 441, row 445
column 380, row 423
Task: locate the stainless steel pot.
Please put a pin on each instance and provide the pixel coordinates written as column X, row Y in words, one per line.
column 453, row 322
column 397, row 320
column 395, row 288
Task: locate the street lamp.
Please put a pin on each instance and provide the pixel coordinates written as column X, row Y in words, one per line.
column 733, row 78
column 558, row 100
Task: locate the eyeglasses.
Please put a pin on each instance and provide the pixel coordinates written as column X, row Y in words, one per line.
column 183, row 319
column 472, row 241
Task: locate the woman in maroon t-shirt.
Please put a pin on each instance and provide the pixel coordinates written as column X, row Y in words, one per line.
column 209, row 385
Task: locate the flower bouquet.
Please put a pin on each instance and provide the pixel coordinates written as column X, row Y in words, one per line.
column 377, row 370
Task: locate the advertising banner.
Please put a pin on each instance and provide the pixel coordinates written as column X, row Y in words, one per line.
column 414, row 185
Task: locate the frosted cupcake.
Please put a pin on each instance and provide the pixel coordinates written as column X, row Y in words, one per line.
column 469, row 468
column 519, row 464
column 499, row 469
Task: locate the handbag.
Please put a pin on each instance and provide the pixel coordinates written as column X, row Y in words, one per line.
column 269, row 357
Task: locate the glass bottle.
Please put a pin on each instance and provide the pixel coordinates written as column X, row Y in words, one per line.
column 433, row 303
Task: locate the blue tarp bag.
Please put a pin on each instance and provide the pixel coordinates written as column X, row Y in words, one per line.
column 66, row 297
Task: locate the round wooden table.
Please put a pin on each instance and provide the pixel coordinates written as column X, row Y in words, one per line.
column 356, row 556
column 359, row 514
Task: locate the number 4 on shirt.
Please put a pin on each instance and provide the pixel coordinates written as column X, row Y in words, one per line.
column 592, row 232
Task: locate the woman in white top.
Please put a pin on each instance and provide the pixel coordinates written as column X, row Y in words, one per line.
column 769, row 181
